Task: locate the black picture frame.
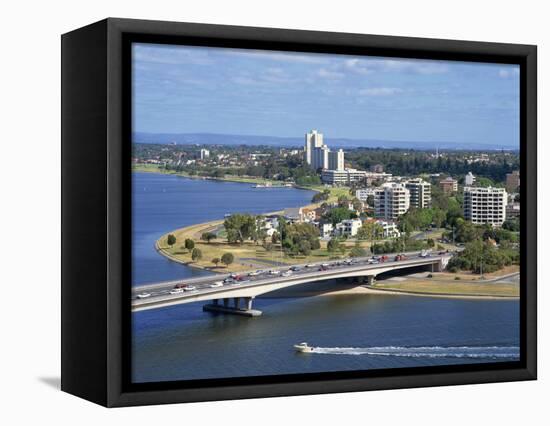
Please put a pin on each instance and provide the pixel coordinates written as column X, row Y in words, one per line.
column 96, row 183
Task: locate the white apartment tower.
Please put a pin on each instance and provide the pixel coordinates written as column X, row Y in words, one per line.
column 204, row 154
column 391, row 200
column 420, row 193
column 319, row 156
column 485, row 205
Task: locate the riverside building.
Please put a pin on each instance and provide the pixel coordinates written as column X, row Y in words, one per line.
column 485, row 205
column 391, row 200
column 420, row 193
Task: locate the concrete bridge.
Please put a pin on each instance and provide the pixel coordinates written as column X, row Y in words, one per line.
column 228, row 297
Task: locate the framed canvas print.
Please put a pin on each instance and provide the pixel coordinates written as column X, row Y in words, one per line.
column 253, row 212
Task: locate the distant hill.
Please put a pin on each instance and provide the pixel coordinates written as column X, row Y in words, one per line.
column 221, row 139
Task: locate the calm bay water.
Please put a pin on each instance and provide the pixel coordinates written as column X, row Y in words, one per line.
column 349, row 332
column 161, row 203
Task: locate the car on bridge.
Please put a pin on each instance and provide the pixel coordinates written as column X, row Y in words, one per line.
column 143, row 295
column 295, row 268
column 176, row 290
column 189, row 288
column 400, row 257
column 216, row 284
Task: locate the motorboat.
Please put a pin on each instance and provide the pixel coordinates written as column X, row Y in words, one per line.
column 303, row 347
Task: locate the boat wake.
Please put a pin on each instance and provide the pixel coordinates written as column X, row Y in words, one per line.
column 488, row 352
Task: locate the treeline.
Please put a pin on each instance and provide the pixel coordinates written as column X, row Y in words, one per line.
column 421, row 162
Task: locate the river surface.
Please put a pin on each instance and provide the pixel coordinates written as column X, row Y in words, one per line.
column 351, row 332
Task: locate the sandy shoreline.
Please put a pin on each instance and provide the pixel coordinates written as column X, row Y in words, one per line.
column 372, row 290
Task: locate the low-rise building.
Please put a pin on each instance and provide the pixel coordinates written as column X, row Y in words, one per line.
column 448, row 185
column 325, row 229
column 390, row 229
column 349, row 176
column 512, row 210
column 348, row 227
column 293, row 215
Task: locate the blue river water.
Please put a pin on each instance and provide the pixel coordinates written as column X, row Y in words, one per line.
column 349, row 332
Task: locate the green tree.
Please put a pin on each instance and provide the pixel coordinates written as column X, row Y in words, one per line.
column 196, row 254
column 171, row 240
column 227, row 259
column 240, row 227
column 215, row 261
column 370, row 231
column 333, row 245
column 208, row 236
column 189, row 244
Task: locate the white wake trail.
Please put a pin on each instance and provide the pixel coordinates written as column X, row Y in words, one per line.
column 491, row 352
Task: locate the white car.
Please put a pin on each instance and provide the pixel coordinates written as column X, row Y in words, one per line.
column 254, row 273
column 287, row 274
column 143, row 295
column 189, row 288
column 310, row 265
column 274, row 272
column 176, row 291
column 325, row 265
column 216, row 284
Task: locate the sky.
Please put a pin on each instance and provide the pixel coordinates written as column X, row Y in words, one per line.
column 185, row 89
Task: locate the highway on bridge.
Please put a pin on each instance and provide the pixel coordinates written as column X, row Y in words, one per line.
column 250, row 284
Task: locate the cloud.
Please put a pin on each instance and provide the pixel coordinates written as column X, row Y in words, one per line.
column 369, row 66
column 508, row 72
column 330, row 75
column 170, row 55
column 380, row 91
column 295, row 57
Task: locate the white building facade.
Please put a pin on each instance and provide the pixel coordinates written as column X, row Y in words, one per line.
column 420, row 193
column 391, row 200
column 485, row 205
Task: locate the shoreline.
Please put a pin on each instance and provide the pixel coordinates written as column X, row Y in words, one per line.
column 373, row 290
column 249, row 180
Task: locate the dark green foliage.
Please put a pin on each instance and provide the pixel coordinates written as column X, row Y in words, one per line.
column 228, row 258
column 171, row 240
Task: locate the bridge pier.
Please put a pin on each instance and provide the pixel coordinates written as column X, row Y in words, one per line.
column 246, row 311
column 371, row 279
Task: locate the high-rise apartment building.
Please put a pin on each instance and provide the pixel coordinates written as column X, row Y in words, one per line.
column 485, row 205
column 391, row 200
column 319, row 156
column 420, row 193
column 336, row 160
